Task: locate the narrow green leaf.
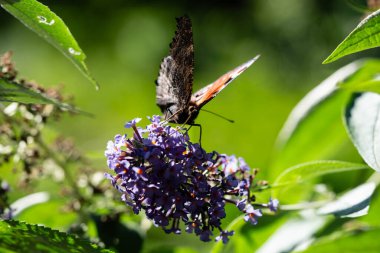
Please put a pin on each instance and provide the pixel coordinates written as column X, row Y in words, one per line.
column 305, row 171
column 40, row 19
column 314, row 129
column 22, row 237
column 366, row 35
column 11, row 91
column 363, row 124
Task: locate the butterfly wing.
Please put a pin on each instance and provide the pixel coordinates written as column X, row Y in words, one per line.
column 204, row 95
column 175, row 79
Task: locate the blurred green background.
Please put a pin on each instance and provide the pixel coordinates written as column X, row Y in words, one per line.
column 126, row 40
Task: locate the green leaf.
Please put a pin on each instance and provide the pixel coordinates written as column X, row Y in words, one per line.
column 249, row 238
column 11, row 91
column 363, row 124
column 238, row 242
column 22, row 237
column 372, row 217
column 361, row 241
column 353, row 203
column 314, row 129
column 365, row 79
column 366, row 35
column 296, row 231
column 302, row 172
column 40, row 19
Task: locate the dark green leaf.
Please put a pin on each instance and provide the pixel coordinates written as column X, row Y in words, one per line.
column 116, row 235
column 366, row 35
column 14, row 92
column 40, row 19
column 11, row 91
column 363, row 124
column 22, row 237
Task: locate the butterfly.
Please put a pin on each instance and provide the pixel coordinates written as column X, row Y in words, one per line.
column 175, row 80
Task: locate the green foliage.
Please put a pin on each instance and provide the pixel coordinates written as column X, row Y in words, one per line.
column 40, row 19
column 364, row 79
column 11, row 91
column 300, row 173
column 22, row 237
column 363, row 123
column 364, row 36
column 353, row 203
column 313, row 131
column 366, row 240
column 316, row 117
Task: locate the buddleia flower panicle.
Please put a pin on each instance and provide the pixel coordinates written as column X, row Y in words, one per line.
column 160, row 171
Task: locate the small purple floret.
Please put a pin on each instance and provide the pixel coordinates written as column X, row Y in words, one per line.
column 224, row 236
column 273, row 204
column 132, row 123
column 252, row 214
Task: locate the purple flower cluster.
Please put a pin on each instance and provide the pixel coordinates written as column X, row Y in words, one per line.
column 160, row 171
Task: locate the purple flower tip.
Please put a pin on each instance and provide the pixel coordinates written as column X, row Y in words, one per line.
column 273, row 204
column 252, row 214
column 132, row 123
column 155, row 119
column 224, row 236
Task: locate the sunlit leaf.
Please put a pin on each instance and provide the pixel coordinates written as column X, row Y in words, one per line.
column 366, row 35
column 372, row 217
column 353, row 203
column 293, row 233
column 363, row 123
column 158, row 241
column 249, row 238
column 30, row 200
column 40, row 19
column 305, row 171
column 49, row 214
column 22, row 237
column 238, row 242
column 360, row 241
column 313, row 128
column 367, row 78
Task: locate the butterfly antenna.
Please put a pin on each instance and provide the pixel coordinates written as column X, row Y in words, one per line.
column 220, row 116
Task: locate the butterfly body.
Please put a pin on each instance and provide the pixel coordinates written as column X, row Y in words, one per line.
column 175, row 80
